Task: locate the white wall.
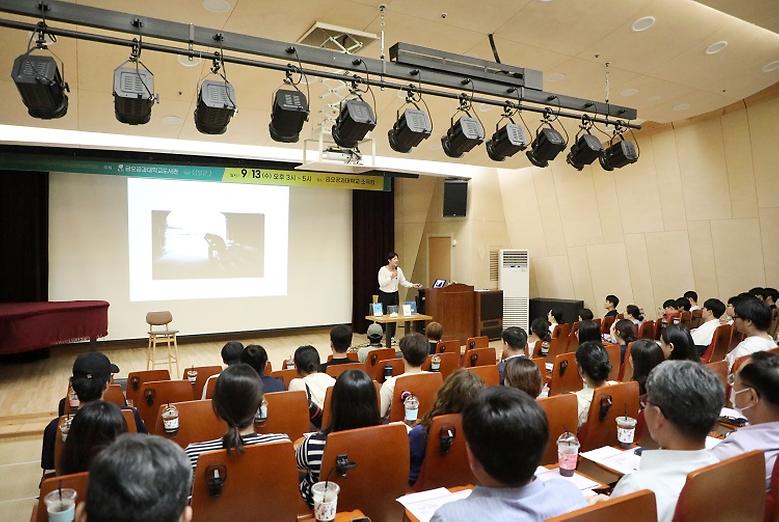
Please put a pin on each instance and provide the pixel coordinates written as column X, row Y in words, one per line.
column 88, row 259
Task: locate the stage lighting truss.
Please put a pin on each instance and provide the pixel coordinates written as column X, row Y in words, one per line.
column 586, row 148
column 620, row 152
column 356, row 118
column 216, row 100
column 465, row 133
column 413, row 126
column 509, row 139
column 548, row 142
column 39, row 80
column 134, row 89
column 289, row 109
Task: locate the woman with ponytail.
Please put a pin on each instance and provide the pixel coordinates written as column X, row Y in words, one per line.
column 594, row 368
column 633, row 313
column 237, row 397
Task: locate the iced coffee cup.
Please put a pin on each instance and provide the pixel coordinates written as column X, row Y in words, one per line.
column 325, row 500
column 626, row 431
column 61, row 505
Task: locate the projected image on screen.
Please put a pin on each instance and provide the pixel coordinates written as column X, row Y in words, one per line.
column 198, row 245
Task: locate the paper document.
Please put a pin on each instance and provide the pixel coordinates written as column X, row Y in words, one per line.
column 731, row 414
column 580, row 481
column 549, row 366
column 712, row 441
column 425, row 503
column 621, row 461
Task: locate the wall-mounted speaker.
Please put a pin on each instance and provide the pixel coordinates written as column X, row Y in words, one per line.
column 455, row 197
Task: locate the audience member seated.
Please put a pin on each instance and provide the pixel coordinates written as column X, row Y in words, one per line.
column 523, row 374
column 237, row 397
column 633, row 314
column 757, row 292
column 354, row 405
column 683, row 305
column 755, row 393
column 340, row 341
column 539, row 331
column 683, row 403
column 589, row 331
column 458, row 390
column 434, row 332
column 585, row 314
column 692, row 298
column 414, row 348
column 730, row 311
column 94, row 427
column 514, row 345
column 610, row 305
column 506, row 434
column 753, row 318
column 623, row 332
column 375, row 335
column 138, row 477
column 555, row 317
column 311, row 380
column 594, row 367
column 644, row 356
column 711, row 312
column 677, row 344
column 231, row 354
column 771, row 297
column 670, row 311
column 91, row 376
column 255, row 356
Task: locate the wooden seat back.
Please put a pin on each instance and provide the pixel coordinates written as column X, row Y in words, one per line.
column 381, row 455
column 639, row 506
column 608, row 403
column 477, row 342
column 260, row 482
column 565, row 375
column 733, row 489
column 615, row 358
column 719, row 346
column 562, row 330
column 446, row 460
column 735, row 338
column 157, row 393
column 285, row 375
column 626, row 372
column 479, row 357
column 646, row 330
column 488, row 373
column 337, row 369
column 398, row 367
column 721, row 369
column 772, row 497
column 424, row 386
column 562, row 415
column 541, row 365
column 605, row 324
column 372, row 367
column 686, row 319
column 452, row 345
column 77, row 481
column 197, row 423
column 696, row 318
column 449, row 363
column 556, row 347
column 136, row 380
column 352, row 356
column 203, row 373
column 287, row 413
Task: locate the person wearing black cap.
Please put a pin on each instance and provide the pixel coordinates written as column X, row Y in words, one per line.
column 91, row 374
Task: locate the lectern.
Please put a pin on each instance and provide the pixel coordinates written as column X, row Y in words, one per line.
column 453, row 307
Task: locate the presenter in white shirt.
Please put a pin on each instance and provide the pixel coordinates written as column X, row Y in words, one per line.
column 712, row 310
column 390, row 276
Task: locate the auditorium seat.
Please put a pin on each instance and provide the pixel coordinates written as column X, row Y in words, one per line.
column 157, row 393
column 556, row 347
column 541, row 365
column 479, row 357
column 562, row 414
column 453, row 345
column 696, row 318
column 424, row 386
column 605, row 324
column 337, row 369
column 398, row 367
column 477, row 342
column 197, row 423
column 772, row 497
column 639, row 506
column 562, row 331
column 614, row 352
column 733, row 489
column 112, row 394
column 136, row 380
column 721, row 369
column 381, row 455
column 646, row 330
column 626, row 372
column 77, row 481
column 719, row 346
column 608, row 403
column 285, row 375
column 446, row 460
column 160, row 332
column 287, row 413
column 565, row 375
column 352, row 356
column 488, row 373
column 259, row 484
column 572, row 340
column 372, row 362
column 449, row 363
column 203, row 373
column 735, row 338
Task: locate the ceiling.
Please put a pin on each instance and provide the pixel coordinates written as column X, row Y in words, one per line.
column 664, row 71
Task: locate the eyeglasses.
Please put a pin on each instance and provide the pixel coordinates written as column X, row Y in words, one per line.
column 732, row 379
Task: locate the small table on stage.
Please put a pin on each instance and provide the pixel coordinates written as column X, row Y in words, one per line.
column 406, row 319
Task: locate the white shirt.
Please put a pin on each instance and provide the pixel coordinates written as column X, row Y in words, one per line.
column 317, row 382
column 694, row 307
column 388, row 284
column 750, row 345
column 584, row 400
column 703, row 335
column 664, row 472
column 388, row 390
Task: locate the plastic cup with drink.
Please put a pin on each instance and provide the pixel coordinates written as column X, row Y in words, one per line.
column 435, row 363
column 567, row 453
column 61, row 505
column 410, row 406
column 192, row 376
column 262, row 412
column 626, row 431
column 170, row 419
column 325, row 500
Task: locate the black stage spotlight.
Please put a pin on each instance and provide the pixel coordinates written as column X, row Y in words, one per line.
column 288, row 114
column 41, row 85
column 586, row 148
column 619, row 154
column 547, row 144
column 355, row 120
column 133, row 94
column 215, row 106
column 409, row 130
column 462, row 136
column 507, row 141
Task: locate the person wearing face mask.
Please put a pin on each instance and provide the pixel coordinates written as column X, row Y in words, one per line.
column 755, row 393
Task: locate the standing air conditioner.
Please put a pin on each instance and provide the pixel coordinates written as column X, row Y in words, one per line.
column 514, row 280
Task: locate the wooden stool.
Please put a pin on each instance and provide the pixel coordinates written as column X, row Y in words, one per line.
column 159, row 332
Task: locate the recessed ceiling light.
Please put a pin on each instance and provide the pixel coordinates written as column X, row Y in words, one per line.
column 186, row 61
column 217, row 6
column 172, row 120
column 555, row 77
column 654, row 99
column 681, row 106
column 716, row 47
column 628, row 92
column 643, row 23
column 771, row 66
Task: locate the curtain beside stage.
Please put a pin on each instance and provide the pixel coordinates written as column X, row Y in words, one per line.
column 24, row 236
column 373, row 235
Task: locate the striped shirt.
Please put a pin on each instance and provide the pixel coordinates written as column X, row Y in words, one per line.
column 309, row 459
column 194, row 450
